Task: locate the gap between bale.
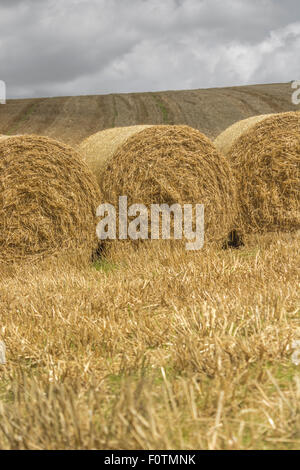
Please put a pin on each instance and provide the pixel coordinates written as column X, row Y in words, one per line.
column 229, row 136
column 99, row 148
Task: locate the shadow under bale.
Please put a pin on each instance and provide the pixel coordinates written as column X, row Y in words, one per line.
column 234, row 240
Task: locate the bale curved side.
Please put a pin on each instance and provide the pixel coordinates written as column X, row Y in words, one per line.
column 173, row 164
column 48, row 200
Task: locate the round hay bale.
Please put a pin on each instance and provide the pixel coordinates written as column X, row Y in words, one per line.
column 48, row 200
column 266, row 164
column 227, row 138
column 98, row 148
column 173, row 164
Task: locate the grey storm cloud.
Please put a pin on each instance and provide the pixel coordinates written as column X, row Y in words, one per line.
column 73, row 47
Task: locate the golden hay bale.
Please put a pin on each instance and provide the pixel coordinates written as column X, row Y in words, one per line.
column 173, row 164
column 48, row 200
column 266, row 162
column 98, row 148
column 227, row 138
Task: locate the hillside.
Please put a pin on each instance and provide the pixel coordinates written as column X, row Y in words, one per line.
column 71, row 119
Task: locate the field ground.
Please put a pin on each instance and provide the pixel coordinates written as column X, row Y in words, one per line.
column 71, row 119
column 154, row 349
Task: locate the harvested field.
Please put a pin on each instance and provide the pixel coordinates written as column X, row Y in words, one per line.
column 154, row 349
column 150, row 346
column 48, row 200
column 71, row 119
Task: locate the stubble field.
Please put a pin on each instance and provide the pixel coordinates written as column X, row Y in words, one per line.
column 154, row 348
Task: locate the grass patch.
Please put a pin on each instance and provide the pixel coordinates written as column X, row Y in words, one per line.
column 105, row 266
column 163, row 109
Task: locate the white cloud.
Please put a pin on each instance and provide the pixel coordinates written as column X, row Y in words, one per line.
column 102, row 46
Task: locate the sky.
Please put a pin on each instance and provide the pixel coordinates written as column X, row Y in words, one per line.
column 84, row 47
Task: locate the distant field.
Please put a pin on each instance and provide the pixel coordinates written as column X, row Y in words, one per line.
column 71, row 119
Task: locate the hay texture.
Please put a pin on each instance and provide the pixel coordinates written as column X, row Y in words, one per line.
column 48, row 200
column 173, row 164
column 99, row 148
column 265, row 157
column 227, row 138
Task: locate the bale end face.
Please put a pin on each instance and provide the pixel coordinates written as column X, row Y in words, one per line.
column 99, row 148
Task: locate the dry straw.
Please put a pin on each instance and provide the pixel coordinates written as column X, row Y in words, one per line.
column 3, row 137
column 227, row 138
column 265, row 156
column 99, row 148
column 173, row 164
column 48, row 200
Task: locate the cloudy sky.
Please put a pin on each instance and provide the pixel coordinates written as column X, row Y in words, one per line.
column 78, row 47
